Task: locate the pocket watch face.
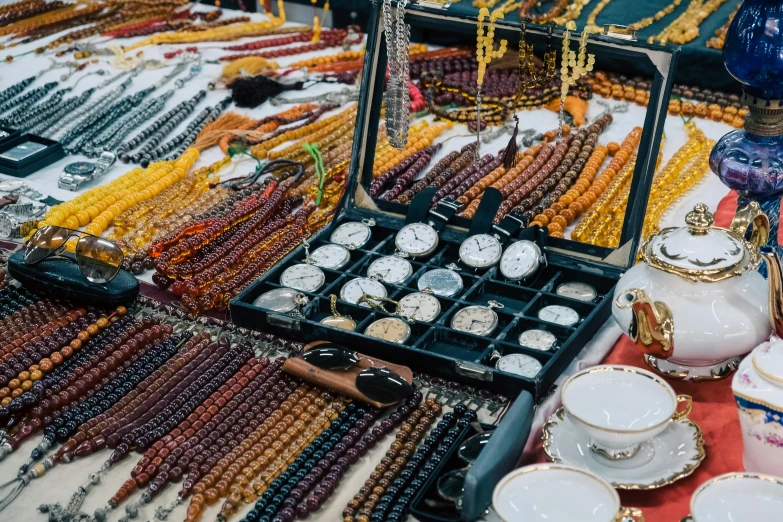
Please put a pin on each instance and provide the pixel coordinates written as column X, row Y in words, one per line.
column 537, row 339
column 420, row 307
column 278, row 300
column 520, row 260
column 330, row 256
column 353, row 234
column 577, row 290
column 304, row 277
column 519, row 364
column 480, row 251
column 343, row 322
column 389, row 329
column 416, row 239
column 478, row 320
column 390, row 269
column 441, row 281
column 353, row 290
column 559, row 314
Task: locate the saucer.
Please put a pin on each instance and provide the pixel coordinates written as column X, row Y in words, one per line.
column 672, row 455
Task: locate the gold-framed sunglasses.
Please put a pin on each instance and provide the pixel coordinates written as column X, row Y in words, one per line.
column 98, row 258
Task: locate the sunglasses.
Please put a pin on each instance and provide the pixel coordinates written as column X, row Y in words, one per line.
column 99, row 259
column 452, row 484
column 378, row 384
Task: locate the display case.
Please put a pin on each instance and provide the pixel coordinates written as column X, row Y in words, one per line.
column 435, row 347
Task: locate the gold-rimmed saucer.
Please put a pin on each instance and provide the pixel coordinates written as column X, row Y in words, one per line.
column 669, row 457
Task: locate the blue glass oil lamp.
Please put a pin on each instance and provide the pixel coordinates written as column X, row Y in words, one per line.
column 750, row 160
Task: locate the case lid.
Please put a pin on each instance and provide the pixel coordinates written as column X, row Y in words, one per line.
column 658, row 61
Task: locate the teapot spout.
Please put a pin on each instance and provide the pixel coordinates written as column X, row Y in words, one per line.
column 652, row 324
column 775, row 282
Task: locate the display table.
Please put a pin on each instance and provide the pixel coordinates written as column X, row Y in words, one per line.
column 714, row 408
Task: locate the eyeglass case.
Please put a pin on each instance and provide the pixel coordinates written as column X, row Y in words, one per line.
column 509, row 438
column 63, row 279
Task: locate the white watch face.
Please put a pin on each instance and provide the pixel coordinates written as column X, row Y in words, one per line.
column 519, row 364
column 537, row 339
column 278, row 300
column 420, row 307
column 353, row 290
column 304, row 277
column 559, row 314
column 480, row 251
column 520, row 260
column 416, row 239
column 330, row 256
column 478, row 320
column 390, row 269
column 353, row 234
column 441, row 281
column 576, row 290
column 389, row 329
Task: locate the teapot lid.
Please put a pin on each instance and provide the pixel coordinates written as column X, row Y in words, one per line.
column 768, row 360
column 700, row 251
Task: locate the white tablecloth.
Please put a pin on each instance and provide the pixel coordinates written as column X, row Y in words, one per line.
column 60, row 483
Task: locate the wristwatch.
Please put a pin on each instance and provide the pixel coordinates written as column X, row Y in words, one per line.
column 18, row 220
column 81, row 172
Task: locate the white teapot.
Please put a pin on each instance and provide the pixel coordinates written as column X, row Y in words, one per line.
column 696, row 302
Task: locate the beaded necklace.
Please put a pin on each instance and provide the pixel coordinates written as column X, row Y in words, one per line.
column 441, row 172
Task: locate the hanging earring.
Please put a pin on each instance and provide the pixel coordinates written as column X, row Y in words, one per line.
column 485, row 45
column 577, row 65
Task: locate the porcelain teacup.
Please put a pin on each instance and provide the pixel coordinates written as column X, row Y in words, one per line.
column 621, row 407
column 736, row 497
column 537, row 492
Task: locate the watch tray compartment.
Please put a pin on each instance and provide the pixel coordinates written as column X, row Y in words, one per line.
column 33, row 163
column 434, row 347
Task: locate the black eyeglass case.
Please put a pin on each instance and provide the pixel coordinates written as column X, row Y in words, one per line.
column 509, row 438
column 63, row 279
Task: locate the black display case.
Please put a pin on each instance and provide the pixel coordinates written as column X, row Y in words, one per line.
column 24, row 154
column 435, row 347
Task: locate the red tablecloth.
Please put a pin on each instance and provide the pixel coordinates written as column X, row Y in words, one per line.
column 714, row 411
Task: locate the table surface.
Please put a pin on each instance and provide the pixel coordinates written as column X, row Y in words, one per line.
column 62, row 481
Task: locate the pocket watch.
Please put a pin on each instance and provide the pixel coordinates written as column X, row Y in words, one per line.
column 480, row 251
column 420, row 306
column 330, row 256
column 416, row 240
column 519, row 364
column 559, row 314
column 477, row 319
column 353, row 234
column 353, row 290
column 536, row 339
column 441, row 281
column 390, row 269
column 337, row 320
column 303, row 277
column 521, row 260
column 282, row 300
column 391, row 329
column 577, row 290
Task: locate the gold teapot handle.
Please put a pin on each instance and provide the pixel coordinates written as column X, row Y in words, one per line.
column 751, row 214
column 630, row 513
column 679, row 415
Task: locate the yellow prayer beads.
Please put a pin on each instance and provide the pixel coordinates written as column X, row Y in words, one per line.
column 97, row 207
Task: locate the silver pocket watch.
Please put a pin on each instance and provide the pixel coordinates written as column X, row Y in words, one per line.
column 282, row 300
column 477, row 319
column 445, row 282
column 353, row 234
column 521, row 260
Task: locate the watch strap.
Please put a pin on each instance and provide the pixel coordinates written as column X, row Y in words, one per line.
column 8, row 199
column 486, row 211
column 509, row 227
column 420, row 205
column 439, row 216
